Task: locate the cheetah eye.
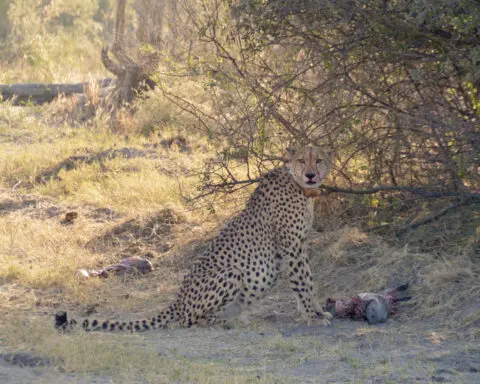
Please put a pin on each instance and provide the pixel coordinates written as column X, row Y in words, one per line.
column 319, row 161
column 301, row 161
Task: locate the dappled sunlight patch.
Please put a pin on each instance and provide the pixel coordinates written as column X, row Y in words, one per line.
column 26, row 161
column 131, row 192
column 364, row 331
column 128, row 180
column 437, row 337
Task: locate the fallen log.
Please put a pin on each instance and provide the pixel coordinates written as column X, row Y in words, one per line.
column 45, row 93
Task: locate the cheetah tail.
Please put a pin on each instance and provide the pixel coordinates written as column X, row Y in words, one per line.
column 402, row 287
column 165, row 317
column 406, row 298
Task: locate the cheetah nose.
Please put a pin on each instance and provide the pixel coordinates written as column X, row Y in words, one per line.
column 310, row 175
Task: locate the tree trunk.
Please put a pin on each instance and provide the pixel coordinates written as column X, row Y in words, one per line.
column 44, row 93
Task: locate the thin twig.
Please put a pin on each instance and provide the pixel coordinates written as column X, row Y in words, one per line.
column 435, row 216
column 17, row 184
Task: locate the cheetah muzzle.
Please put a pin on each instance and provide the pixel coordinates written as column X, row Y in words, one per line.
column 244, row 261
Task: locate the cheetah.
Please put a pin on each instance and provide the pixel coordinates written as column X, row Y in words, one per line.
column 243, row 262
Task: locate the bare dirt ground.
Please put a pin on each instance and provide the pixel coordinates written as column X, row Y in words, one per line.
column 281, row 351
column 432, row 340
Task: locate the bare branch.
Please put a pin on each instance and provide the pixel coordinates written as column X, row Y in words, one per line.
column 437, row 215
column 422, row 191
column 110, row 65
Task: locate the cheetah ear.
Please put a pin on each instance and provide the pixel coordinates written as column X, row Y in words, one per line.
column 289, row 153
column 328, row 151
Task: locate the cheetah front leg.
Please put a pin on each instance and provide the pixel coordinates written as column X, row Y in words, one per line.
column 300, row 277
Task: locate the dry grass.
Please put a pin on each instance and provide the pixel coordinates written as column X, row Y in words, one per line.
column 443, row 280
column 134, row 205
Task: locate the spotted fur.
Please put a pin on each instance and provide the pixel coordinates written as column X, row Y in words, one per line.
column 244, row 261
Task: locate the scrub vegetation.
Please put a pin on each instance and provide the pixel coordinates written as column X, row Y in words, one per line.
column 391, row 87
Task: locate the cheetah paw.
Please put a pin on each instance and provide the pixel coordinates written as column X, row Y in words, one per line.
column 324, row 315
column 322, row 319
column 319, row 322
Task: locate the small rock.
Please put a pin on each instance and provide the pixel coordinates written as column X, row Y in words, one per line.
column 82, row 274
column 23, row 359
column 91, row 309
column 439, row 379
column 69, row 218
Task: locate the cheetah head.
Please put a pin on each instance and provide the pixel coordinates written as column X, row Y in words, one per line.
column 309, row 166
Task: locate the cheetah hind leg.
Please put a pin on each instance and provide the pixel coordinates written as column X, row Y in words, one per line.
column 229, row 316
column 215, row 303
